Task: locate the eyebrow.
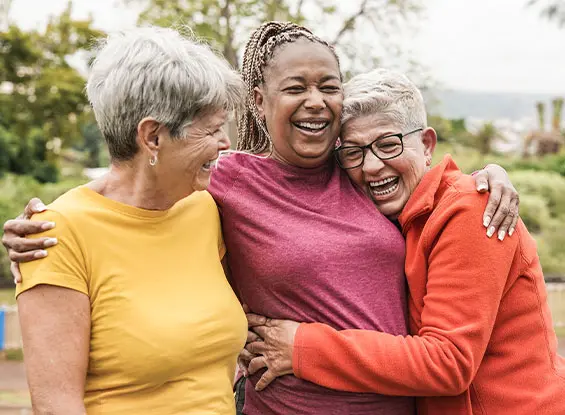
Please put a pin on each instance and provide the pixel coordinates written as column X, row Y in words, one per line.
column 302, row 79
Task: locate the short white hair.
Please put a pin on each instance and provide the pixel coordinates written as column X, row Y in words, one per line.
column 159, row 73
column 385, row 92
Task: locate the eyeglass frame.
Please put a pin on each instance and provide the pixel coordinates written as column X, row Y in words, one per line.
column 370, row 147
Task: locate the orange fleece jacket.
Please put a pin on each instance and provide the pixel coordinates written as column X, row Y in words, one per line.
column 483, row 340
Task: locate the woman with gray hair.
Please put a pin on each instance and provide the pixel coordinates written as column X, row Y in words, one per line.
column 482, row 339
column 131, row 311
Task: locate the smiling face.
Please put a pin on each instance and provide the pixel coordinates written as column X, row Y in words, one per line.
column 389, row 183
column 301, row 101
column 185, row 163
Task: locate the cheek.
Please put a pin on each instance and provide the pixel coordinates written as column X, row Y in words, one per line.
column 356, row 176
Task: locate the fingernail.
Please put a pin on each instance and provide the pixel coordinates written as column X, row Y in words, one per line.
column 482, row 187
column 486, row 221
column 40, row 254
column 48, row 225
column 40, row 207
column 15, row 281
column 501, row 235
column 50, row 242
column 510, row 232
column 490, row 231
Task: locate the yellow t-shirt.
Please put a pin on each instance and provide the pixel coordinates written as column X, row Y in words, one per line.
column 166, row 327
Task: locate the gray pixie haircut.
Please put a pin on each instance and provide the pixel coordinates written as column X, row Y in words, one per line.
column 159, row 73
column 385, row 92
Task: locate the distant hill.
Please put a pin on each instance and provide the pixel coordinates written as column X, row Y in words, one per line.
column 487, row 106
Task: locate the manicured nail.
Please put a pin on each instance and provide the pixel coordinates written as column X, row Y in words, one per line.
column 510, row 232
column 486, row 221
column 48, row 225
column 40, row 254
column 40, row 207
column 490, row 231
column 501, row 235
column 482, row 187
column 50, row 242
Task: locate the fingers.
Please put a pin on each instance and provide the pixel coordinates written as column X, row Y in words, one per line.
column 502, row 212
column 22, row 245
column 252, row 337
column 15, row 270
column 35, row 205
column 246, row 308
column 481, row 180
column 28, row 256
column 504, row 228
column 492, row 205
column 23, row 227
column 243, row 361
column 255, row 320
column 256, row 347
column 265, row 380
column 257, row 363
column 513, row 225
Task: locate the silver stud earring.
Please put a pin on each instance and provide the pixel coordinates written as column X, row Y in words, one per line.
column 153, row 160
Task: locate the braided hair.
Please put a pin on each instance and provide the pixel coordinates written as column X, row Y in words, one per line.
column 252, row 135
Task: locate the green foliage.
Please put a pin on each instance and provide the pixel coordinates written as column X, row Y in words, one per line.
column 547, row 185
column 534, row 212
column 17, row 190
column 357, row 31
column 42, row 100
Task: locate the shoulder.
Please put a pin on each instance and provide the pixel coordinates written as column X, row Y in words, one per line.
column 458, row 214
column 68, row 208
column 229, row 168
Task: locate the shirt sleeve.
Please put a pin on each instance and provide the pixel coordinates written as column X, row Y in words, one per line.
column 224, row 176
column 64, row 265
column 467, row 274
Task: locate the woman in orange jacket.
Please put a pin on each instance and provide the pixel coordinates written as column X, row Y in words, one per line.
column 482, row 337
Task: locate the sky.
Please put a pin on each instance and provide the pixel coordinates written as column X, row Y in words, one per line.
column 473, row 45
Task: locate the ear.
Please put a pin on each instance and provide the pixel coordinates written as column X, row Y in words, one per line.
column 429, row 139
column 148, row 131
column 259, row 97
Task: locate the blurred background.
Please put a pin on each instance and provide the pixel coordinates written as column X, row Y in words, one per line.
column 492, row 73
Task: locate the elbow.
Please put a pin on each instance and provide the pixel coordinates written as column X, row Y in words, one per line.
column 455, row 383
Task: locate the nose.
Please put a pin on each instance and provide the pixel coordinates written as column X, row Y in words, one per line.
column 372, row 163
column 224, row 142
column 315, row 100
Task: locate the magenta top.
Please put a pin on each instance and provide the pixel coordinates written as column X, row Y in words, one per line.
column 306, row 245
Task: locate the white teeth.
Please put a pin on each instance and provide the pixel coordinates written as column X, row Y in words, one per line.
column 381, row 182
column 387, row 191
column 210, row 164
column 312, row 125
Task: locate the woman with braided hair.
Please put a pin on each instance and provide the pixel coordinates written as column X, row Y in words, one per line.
column 303, row 242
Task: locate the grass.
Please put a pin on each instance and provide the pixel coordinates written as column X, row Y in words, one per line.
column 7, row 296
column 15, row 398
column 15, row 355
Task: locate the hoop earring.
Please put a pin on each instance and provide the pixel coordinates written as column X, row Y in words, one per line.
column 153, row 160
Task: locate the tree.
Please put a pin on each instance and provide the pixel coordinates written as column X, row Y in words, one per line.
column 360, row 29
column 486, row 137
column 551, row 9
column 42, row 98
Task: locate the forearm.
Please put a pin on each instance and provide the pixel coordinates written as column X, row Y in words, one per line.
column 382, row 363
column 56, row 403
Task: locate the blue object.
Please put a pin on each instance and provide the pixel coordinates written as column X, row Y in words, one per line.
column 2, row 325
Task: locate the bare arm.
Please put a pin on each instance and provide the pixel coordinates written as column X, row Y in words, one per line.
column 55, row 325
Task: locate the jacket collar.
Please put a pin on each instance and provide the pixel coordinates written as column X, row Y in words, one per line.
column 424, row 197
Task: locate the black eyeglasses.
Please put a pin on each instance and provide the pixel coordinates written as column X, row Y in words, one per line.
column 384, row 148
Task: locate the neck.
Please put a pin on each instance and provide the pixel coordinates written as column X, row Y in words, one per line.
column 303, row 163
column 135, row 185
